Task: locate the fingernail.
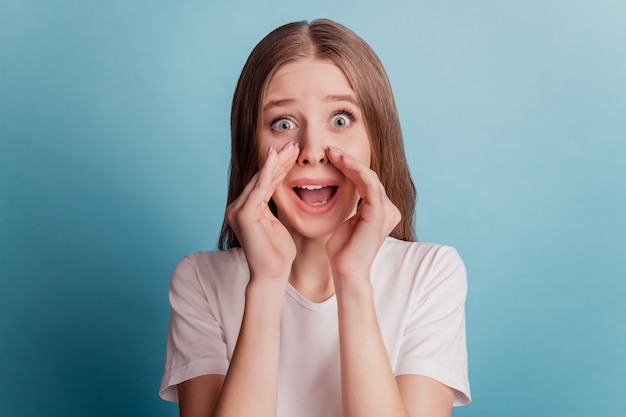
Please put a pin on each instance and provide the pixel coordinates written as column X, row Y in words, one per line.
column 338, row 151
column 286, row 145
column 269, row 150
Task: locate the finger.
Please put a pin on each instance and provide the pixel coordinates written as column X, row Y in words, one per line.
column 381, row 209
column 275, row 169
column 367, row 182
column 264, row 182
column 239, row 201
column 286, row 160
column 266, row 172
column 234, row 208
column 253, row 201
column 259, row 180
column 288, row 154
column 263, row 190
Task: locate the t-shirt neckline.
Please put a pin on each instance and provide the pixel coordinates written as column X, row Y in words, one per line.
column 308, row 304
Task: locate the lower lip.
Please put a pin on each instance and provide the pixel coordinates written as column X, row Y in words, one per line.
column 316, row 210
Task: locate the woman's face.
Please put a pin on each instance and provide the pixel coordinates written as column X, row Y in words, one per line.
column 311, row 103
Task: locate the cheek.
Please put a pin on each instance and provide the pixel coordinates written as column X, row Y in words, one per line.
column 367, row 157
column 265, row 142
column 361, row 150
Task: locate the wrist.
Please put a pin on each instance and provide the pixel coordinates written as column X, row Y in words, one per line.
column 269, row 273
column 264, row 303
column 266, row 290
column 354, row 288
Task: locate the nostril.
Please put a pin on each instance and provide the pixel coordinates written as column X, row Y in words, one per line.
column 312, row 159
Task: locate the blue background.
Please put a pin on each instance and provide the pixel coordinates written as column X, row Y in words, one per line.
column 113, row 157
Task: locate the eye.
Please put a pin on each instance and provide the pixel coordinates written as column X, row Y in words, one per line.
column 283, row 124
column 342, row 119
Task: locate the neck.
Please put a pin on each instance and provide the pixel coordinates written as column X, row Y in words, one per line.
column 310, row 274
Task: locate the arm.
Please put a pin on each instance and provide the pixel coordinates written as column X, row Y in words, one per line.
column 369, row 387
column 198, row 395
column 251, row 383
column 368, row 384
column 250, row 386
column 425, row 396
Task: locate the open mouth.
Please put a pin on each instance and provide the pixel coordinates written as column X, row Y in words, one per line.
column 315, row 195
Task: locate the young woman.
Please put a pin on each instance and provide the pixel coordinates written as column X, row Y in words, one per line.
column 320, row 302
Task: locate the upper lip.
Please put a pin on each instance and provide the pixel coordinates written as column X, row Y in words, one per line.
column 324, row 182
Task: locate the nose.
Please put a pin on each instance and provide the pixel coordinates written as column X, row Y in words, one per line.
column 312, row 148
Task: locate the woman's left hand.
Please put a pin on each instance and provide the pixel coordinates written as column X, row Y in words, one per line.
column 354, row 245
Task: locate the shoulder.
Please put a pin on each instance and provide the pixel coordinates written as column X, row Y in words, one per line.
column 418, row 254
column 217, row 261
column 211, row 269
column 424, row 264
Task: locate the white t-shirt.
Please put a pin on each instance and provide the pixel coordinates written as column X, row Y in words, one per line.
column 419, row 296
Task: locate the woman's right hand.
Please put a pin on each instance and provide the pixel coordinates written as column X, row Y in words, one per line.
column 267, row 244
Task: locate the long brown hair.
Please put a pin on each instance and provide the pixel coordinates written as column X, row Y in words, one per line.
column 328, row 40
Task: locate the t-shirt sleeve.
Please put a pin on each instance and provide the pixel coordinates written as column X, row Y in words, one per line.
column 434, row 343
column 195, row 344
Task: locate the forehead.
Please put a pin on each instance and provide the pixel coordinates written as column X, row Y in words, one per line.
column 307, row 77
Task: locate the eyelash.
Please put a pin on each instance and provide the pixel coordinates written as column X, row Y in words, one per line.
column 279, row 118
column 346, row 113
column 343, row 112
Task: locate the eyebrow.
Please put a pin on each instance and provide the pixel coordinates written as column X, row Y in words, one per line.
column 328, row 99
column 278, row 103
column 342, row 97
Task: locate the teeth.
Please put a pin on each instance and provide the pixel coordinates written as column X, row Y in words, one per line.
column 311, row 187
column 319, row 203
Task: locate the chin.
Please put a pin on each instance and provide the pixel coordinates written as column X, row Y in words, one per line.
column 315, row 230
